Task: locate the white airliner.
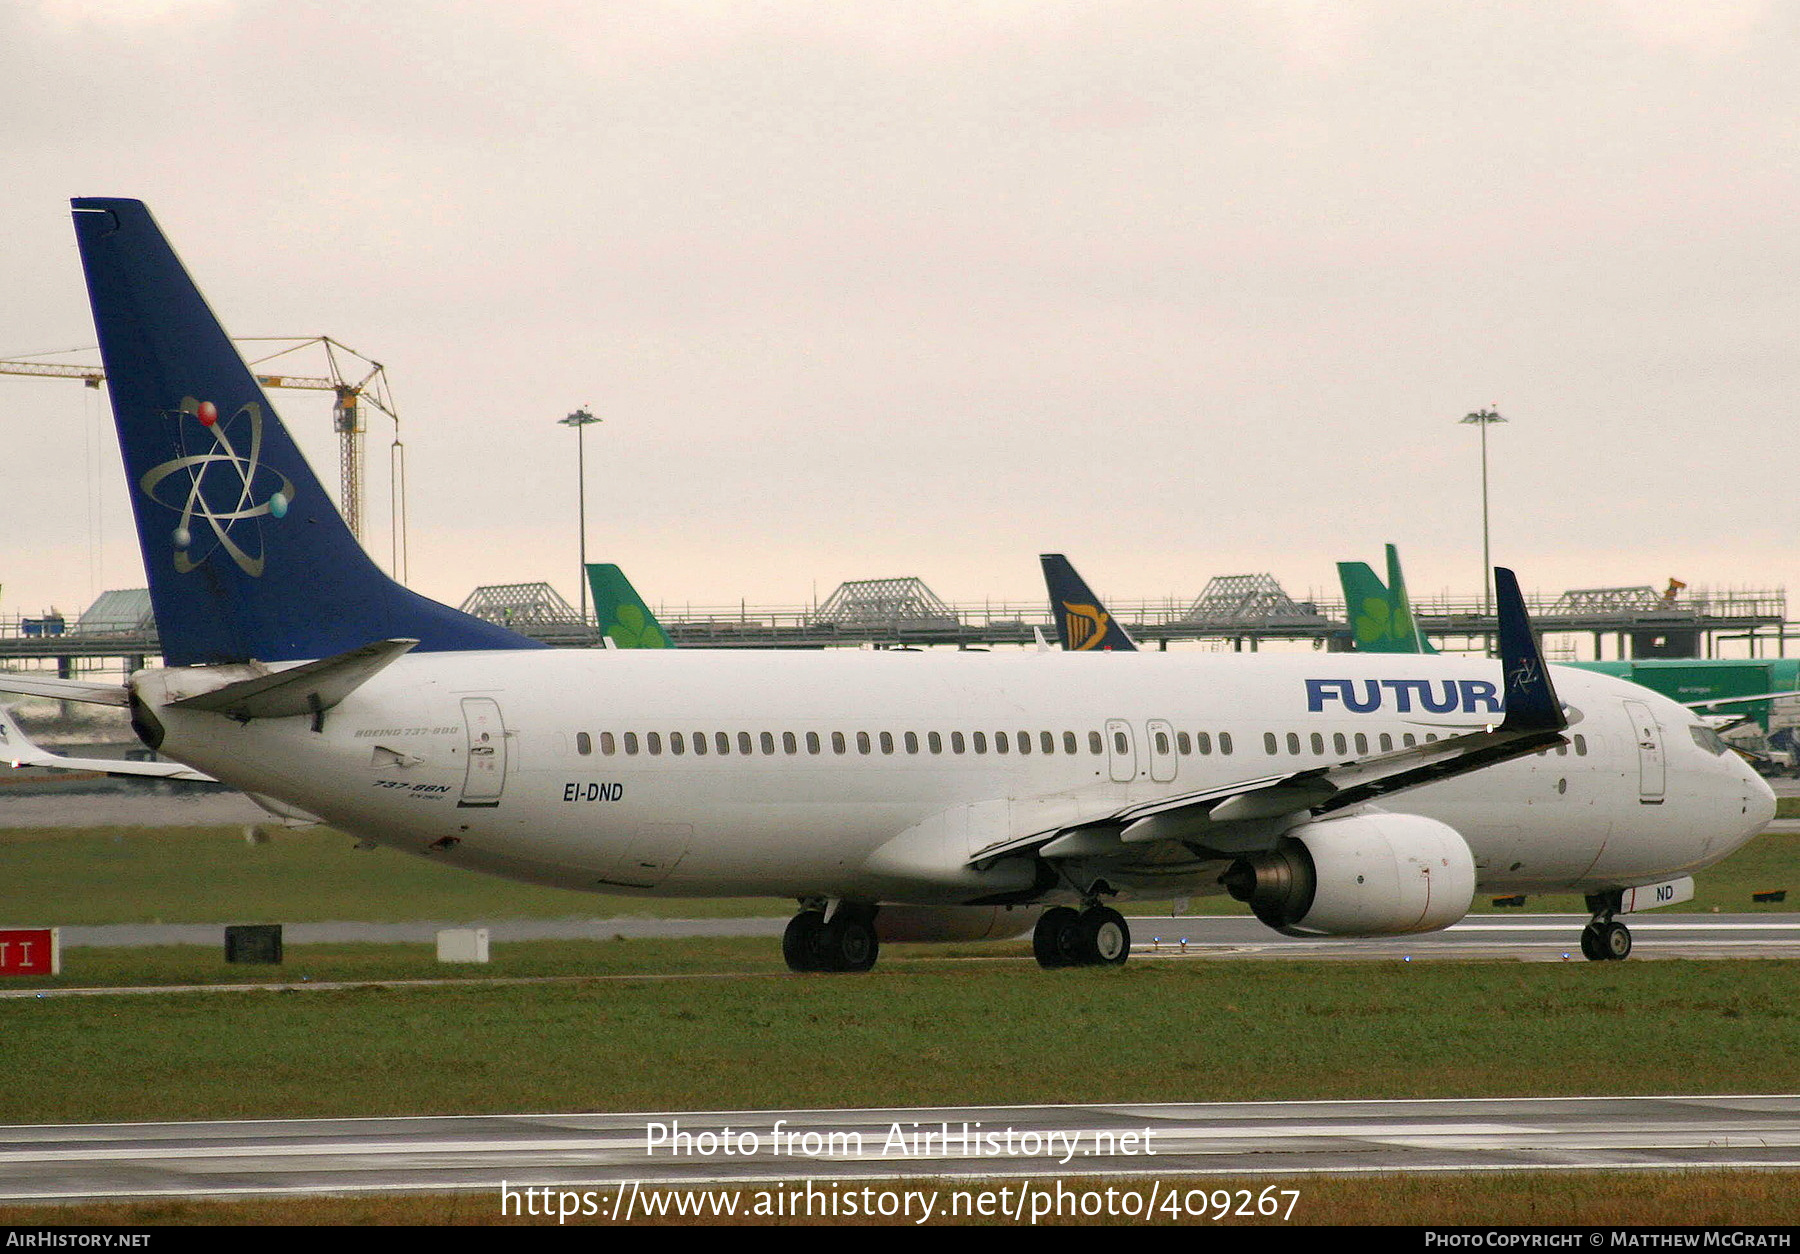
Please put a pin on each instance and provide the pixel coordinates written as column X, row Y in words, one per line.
column 894, row 795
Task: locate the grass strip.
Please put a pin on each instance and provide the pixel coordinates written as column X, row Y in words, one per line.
column 919, row 1031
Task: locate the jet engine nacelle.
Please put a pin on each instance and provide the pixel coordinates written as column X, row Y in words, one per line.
column 954, row 923
column 1368, row 875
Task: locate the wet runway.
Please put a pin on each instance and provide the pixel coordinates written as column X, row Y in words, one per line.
column 1258, row 1140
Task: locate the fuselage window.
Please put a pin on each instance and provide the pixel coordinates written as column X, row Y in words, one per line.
column 1362, row 744
column 1293, row 742
column 935, row 741
column 767, row 740
column 1580, row 746
column 887, row 742
column 1318, row 743
column 722, row 742
column 1269, row 743
column 653, row 742
column 1224, row 742
column 956, row 742
column 1203, row 742
column 1001, row 743
column 912, row 742
column 1184, row 743
column 1162, row 742
column 1339, row 745
column 812, row 742
column 1024, row 742
column 1047, row 741
column 608, row 745
column 584, row 743
column 980, row 739
column 1409, row 740
column 700, row 743
column 677, row 743
column 1430, row 736
column 1120, row 744
column 744, row 743
column 1094, row 743
column 1069, row 742
column 1562, row 751
column 631, row 745
column 1387, row 743
column 790, row 743
column 838, row 743
column 862, row 742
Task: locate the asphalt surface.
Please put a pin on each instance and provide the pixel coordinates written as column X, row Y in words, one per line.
column 1261, row 1141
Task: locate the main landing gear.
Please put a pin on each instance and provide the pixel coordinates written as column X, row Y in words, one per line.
column 1605, row 939
column 1094, row 937
column 845, row 942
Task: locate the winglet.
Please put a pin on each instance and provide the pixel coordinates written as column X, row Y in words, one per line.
column 1531, row 701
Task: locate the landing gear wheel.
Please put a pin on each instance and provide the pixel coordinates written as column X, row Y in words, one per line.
column 848, row 942
column 800, row 942
column 1615, row 941
column 1590, row 943
column 1055, row 942
column 1105, row 938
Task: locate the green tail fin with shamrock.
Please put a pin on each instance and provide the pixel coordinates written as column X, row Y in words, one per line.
column 624, row 618
column 1381, row 617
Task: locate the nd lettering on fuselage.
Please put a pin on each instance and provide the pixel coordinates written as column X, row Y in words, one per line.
column 1403, row 696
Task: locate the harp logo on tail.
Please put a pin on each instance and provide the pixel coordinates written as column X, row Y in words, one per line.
column 1086, row 625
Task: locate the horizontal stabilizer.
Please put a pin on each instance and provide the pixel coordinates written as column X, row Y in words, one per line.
column 309, row 688
column 17, row 749
column 64, row 689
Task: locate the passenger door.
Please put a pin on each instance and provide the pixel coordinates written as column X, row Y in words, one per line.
column 1652, row 769
column 484, row 777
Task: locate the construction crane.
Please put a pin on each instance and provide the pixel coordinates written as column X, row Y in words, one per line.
column 365, row 383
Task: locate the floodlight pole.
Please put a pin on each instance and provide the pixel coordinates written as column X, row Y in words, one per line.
column 579, row 419
column 1485, row 418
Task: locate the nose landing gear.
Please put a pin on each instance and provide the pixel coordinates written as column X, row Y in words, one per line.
column 1605, row 939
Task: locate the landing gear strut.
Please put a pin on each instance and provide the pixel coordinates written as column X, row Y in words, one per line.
column 1095, row 937
column 1605, row 939
column 846, row 942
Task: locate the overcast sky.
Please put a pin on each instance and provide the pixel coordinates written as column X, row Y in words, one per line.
column 864, row 290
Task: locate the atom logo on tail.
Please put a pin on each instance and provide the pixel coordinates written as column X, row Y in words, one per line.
column 227, row 488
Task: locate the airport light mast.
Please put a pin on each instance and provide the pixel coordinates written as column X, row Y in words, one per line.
column 1485, row 418
column 581, row 419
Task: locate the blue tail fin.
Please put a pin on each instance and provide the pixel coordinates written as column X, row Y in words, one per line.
column 1082, row 623
column 246, row 556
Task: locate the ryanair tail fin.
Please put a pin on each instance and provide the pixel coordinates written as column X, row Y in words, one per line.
column 246, row 556
column 623, row 617
column 1381, row 617
column 1082, row 623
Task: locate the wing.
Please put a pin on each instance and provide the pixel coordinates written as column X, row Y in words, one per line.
column 1248, row 814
